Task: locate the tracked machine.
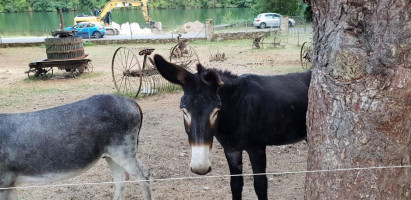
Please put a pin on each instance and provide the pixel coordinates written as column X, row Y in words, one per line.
column 104, row 16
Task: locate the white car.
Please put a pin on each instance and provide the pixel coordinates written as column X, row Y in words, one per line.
column 264, row 20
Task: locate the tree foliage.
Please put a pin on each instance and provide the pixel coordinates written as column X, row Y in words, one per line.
column 284, row 7
column 13, row 6
column 46, row 5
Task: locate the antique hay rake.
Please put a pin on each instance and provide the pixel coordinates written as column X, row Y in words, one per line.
column 133, row 79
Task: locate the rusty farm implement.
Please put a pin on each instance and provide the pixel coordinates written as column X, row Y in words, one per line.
column 132, row 78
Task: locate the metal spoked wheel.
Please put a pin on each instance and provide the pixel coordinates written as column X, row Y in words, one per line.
column 126, row 72
column 184, row 55
column 39, row 72
column 89, row 67
column 306, row 55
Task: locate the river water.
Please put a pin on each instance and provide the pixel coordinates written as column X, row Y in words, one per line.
column 42, row 23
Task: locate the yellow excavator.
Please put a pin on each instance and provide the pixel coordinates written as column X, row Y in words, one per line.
column 104, row 16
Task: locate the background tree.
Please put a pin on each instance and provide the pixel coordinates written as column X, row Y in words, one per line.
column 13, row 6
column 308, row 13
column 46, row 5
column 359, row 112
column 42, row 5
column 284, row 7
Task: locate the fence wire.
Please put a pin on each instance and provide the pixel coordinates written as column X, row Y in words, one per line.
column 301, row 26
column 208, row 177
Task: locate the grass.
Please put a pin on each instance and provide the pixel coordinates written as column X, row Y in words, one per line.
column 210, row 44
column 9, row 103
column 90, row 75
column 33, row 78
column 32, row 91
column 163, row 90
column 20, row 96
column 87, row 44
column 15, row 96
column 85, row 75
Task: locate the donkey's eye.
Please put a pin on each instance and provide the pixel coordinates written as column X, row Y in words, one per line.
column 187, row 116
column 215, row 113
column 213, row 116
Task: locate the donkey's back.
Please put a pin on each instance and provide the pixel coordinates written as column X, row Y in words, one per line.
column 62, row 142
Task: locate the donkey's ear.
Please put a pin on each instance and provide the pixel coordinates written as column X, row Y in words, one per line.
column 211, row 78
column 171, row 72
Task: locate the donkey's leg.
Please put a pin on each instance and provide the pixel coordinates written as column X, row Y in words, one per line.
column 8, row 194
column 7, row 180
column 258, row 162
column 134, row 169
column 125, row 156
column 235, row 163
column 119, row 175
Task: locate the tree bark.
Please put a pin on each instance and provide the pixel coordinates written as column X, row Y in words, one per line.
column 359, row 112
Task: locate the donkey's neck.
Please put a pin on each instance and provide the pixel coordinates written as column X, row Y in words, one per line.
column 230, row 90
column 230, row 96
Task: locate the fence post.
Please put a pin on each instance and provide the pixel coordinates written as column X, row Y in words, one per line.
column 305, row 28
column 284, row 25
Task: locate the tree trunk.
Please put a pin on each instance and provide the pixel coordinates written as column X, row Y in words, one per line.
column 359, row 113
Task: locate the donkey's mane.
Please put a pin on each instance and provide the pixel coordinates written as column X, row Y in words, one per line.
column 226, row 76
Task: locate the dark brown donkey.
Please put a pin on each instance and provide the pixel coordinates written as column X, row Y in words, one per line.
column 245, row 112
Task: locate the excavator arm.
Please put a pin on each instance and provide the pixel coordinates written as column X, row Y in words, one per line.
column 119, row 4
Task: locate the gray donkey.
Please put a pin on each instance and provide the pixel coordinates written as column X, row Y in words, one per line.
column 62, row 142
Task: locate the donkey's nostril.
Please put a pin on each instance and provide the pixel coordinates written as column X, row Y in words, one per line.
column 195, row 172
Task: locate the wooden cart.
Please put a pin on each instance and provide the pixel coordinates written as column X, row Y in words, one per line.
column 75, row 66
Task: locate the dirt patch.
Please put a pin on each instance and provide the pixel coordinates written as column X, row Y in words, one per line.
column 191, row 27
column 163, row 146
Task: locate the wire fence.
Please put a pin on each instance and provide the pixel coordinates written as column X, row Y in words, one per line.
column 215, row 176
column 300, row 27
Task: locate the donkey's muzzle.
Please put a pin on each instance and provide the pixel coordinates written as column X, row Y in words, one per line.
column 201, row 171
column 200, row 159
